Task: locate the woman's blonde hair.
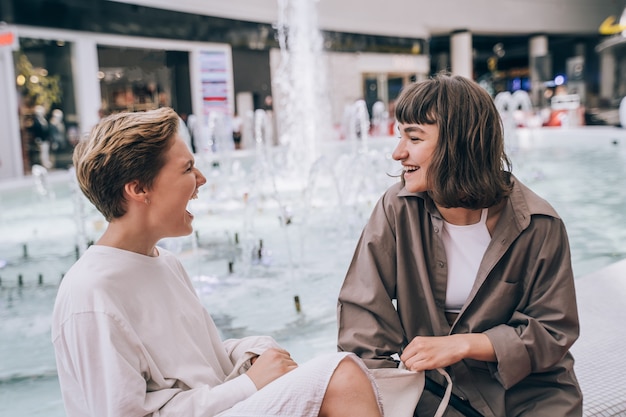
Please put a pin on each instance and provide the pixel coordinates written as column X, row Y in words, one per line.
column 469, row 164
column 121, row 148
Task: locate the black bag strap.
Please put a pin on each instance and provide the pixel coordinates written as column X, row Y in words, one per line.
column 462, row 406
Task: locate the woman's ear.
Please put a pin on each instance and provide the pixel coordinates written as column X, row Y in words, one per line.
column 134, row 191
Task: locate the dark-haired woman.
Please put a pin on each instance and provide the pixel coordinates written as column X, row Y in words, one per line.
column 463, row 267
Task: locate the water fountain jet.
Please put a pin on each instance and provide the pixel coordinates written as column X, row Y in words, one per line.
column 300, row 85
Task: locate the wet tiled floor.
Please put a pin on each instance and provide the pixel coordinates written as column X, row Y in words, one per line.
column 599, row 352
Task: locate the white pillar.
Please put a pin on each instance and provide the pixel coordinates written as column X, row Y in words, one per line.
column 462, row 54
column 11, row 162
column 382, row 82
column 245, row 110
column 538, row 49
column 538, row 45
column 85, row 68
column 607, row 74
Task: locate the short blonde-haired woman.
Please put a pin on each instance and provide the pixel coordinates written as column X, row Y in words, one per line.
column 131, row 337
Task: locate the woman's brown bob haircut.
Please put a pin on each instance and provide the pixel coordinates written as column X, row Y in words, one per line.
column 122, row 148
column 469, row 164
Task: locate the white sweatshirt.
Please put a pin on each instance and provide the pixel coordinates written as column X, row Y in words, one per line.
column 131, row 338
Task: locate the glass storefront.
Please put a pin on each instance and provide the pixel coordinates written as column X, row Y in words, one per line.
column 138, row 79
column 130, row 79
column 46, row 104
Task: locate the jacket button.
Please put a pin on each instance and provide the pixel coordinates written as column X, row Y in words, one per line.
column 440, row 264
column 436, row 229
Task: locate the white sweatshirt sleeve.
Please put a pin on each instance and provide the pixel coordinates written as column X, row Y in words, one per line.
column 240, row 351
column 103, row 363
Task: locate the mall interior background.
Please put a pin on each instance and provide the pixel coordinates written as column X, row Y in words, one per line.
column 88, row 58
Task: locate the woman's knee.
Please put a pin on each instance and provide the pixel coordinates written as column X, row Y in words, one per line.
column 349, row 375
column 350, row 392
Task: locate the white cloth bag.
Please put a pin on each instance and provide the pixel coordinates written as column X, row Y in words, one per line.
column 401, row 389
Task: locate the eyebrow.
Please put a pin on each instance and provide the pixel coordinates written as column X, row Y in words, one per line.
column 412, row 128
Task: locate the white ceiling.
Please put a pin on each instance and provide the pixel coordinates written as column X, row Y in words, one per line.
column 421, row 18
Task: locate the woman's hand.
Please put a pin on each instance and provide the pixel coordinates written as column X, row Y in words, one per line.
column 270, row 365
column 432, row 352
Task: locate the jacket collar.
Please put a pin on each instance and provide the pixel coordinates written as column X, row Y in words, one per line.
column 522, row 203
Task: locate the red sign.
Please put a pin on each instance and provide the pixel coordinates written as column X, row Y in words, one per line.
column 8, row 38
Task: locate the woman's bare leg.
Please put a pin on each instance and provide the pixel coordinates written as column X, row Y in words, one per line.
column 349, row 393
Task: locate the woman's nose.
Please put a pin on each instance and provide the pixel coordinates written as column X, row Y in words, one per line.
column 200, row 178
column 400, row 151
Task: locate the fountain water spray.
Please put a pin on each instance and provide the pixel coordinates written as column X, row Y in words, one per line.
column 40, row 177
column 300, row 86
column 301, row 103
column 359, row 127
column 515, row 109
column 80, row 216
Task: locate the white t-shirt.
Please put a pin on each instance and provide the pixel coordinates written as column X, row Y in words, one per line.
column 465, row 247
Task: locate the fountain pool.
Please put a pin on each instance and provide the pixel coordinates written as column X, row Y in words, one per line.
column 260, row 241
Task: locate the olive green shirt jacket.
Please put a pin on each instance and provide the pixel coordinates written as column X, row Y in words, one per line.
column 523, row 299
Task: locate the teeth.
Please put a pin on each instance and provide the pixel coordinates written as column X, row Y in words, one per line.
column 409, row 168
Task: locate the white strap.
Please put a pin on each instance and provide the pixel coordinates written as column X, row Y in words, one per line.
column 446, row 397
